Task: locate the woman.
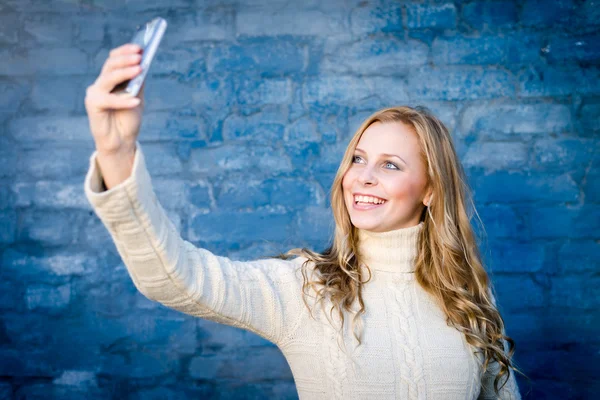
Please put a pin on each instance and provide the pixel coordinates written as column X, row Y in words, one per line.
column 399, row 306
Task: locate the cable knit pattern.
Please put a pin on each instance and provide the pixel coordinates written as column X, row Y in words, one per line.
column 408, row 350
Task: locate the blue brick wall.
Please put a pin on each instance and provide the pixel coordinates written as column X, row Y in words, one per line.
column 250, row 105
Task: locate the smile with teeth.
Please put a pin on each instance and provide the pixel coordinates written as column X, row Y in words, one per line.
column 368, row 200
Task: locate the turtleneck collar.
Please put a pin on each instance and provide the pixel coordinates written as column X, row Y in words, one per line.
column 392, row 251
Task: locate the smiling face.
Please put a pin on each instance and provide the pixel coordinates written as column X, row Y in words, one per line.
column 385, row 188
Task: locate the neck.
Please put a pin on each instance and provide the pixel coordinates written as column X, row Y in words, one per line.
column 392, row 251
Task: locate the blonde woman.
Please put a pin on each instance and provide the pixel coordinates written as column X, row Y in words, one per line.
column 399, row 306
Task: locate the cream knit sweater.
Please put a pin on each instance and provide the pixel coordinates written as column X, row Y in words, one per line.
column 408, row 350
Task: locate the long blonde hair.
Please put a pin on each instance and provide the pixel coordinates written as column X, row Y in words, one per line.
column 448, row 264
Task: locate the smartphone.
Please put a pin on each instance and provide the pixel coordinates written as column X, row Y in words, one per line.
column 148, row 37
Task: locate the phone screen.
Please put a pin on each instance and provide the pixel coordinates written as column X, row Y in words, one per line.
column 148, row 37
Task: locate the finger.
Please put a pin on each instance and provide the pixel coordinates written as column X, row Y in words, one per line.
column 104, row 101
column 107, row 82
column 121, row 61
column 124, row 49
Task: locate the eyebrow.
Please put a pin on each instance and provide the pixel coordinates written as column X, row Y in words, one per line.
column 383, row 154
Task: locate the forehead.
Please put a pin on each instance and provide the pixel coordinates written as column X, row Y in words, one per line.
column 389, row 137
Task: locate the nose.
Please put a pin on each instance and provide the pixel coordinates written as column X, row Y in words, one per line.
column 366, row 177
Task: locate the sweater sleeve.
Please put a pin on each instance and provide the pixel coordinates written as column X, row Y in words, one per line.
column 262, row 296
column 510, row 390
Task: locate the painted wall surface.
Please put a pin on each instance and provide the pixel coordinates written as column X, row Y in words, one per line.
column 250, row 105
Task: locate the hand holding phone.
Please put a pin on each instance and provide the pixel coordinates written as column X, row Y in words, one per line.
column 148, row 37
column 114, row 111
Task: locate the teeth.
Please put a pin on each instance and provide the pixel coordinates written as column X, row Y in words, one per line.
column 368, row 199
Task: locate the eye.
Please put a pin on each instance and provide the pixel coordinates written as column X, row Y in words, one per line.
column 356, row 159
column 389, row 163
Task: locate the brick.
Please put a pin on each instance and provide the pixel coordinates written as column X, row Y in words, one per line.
column 547, row 81
column 227, row 158
column 315, row 227
column 290, row 22
column 518, row 293
column 589, row 12
column 8, row 222
column 579, row 256
column 212, row 94
column 501, row 221
column 137, row 6
column 9, row 28
column 541, row 13
column 206, row 367
column 303, row 130
column 436, row 16
column 376, row 18
column 289, row 193
column 511, row 119
column 495, row 14
column 591, row 185
column 138, row 365
column 55, row 61
column 375, row 56
column 524, row 187
column 56, row 94
column 239, row 227
column 568, row 49
column 328, row 89
column 515, row 257
column 64, row 163
column 588, row 118
column 217, row 23
column 26, row 363
column 34, row 6
column 200, row 194
column 462, row 50
column 189, row 60
column 266, row 56
column 459, row 83
column 165, row 94
column 266, row 126
column 76, row 378
column 252, row 91
column 588, row 81
column 525, row 48
column 161, row 159
column 6, row 391
column 46, row 29
column 12, row 94
column 561, row 222
column 48, row 297
column 40, row 226
column 168, row 126
column 7, row 197
column 51, row 194
column 39, row 129
column 497, row 156
column 569, row 154
column 583, row 292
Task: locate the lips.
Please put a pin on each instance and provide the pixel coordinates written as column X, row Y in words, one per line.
column 363, row 202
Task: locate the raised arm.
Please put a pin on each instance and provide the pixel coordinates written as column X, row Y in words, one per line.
column 262, row 296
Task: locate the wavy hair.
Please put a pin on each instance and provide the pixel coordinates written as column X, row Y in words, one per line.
column 448, row 264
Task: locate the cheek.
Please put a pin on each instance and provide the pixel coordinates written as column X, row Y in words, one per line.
column 347, row 180
column 403, row 188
